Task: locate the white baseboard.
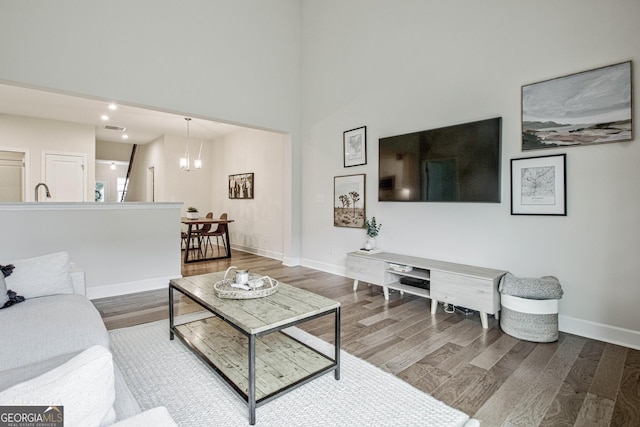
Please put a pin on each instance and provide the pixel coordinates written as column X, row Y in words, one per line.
column 327, row 268
column 129, row 287
column 261, row 252
column 599, row 331
column 290, row 262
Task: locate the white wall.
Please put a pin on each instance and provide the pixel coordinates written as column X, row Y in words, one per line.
column 192, row 188
column 399, row 67
column 36, row 136
column 236, row 61
column 122, row 248
column 147, row 156
column 119, row 151
column 259, row 222
column 395, row 67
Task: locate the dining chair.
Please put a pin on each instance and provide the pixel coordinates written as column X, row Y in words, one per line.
column 197, row 235
column 219, row 232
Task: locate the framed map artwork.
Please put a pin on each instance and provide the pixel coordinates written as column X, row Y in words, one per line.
column 538, row 185
column 355, row 147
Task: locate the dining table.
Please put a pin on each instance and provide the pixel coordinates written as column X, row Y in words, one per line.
column 192, row 226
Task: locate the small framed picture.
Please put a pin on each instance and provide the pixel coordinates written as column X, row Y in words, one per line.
column 241, row 186
column 355, row 147
column 348, row 201
column 538, row 185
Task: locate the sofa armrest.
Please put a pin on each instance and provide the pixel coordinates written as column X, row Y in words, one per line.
column 78, row 279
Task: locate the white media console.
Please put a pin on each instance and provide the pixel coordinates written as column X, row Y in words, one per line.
column 462, row 285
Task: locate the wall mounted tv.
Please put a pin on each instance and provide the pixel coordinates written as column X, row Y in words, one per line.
column 459, row 163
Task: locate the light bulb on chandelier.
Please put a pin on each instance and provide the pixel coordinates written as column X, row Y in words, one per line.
column 185, row 161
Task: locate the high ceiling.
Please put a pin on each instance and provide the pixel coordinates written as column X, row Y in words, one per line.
column 141, row 125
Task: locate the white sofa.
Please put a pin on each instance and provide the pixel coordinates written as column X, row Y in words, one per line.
column 55, row 349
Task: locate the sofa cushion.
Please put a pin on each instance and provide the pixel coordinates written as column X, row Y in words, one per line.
column 41, row 276
column 42, row 328
column 84, row 386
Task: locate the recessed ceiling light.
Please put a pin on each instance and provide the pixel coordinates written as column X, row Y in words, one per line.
column 125, row 136
column 113, row 107
column 104, row 117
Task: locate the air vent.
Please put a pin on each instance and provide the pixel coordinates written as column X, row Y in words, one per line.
column 118, row 128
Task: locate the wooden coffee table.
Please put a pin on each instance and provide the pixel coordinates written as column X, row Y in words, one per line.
column 244, row 342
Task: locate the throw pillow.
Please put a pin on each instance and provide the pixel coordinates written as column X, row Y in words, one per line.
column 13, row 298
column 7, row 270
column 42, row 276
column 84, row 386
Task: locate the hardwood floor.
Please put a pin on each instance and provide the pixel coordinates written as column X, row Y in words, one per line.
column 487, row 374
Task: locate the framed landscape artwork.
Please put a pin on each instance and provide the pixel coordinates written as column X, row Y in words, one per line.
column 538, row 185
column 241, row 186
column 348, row 201
column 355, row 147
column 586, row 108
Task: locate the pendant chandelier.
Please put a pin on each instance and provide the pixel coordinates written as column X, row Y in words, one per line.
column 185, row 161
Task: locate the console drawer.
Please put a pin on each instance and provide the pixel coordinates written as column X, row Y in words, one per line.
column 368, row 270
column 471, row 292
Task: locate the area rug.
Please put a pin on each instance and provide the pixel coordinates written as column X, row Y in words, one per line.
column 161, row 372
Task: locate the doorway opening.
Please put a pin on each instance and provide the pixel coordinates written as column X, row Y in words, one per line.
column 12, row 176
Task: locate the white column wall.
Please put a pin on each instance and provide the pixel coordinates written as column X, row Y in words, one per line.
column 122, row 248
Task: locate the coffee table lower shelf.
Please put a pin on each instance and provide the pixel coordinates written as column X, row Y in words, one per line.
column 281, row 362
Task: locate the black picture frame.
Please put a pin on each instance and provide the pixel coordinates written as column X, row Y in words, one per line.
column 539, row 185
column 241, row 186
column 355, row 147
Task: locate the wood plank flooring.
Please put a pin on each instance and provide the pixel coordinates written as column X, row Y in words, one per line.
column 487, row 374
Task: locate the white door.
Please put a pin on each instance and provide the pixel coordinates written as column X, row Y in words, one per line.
column 11, row 176
column 64, row 175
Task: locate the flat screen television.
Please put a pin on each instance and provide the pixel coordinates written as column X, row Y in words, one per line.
column 459, row 163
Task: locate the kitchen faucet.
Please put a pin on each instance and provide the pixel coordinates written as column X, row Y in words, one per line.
column 35, row 194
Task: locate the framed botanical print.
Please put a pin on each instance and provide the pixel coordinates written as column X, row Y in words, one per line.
column 348, row 201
